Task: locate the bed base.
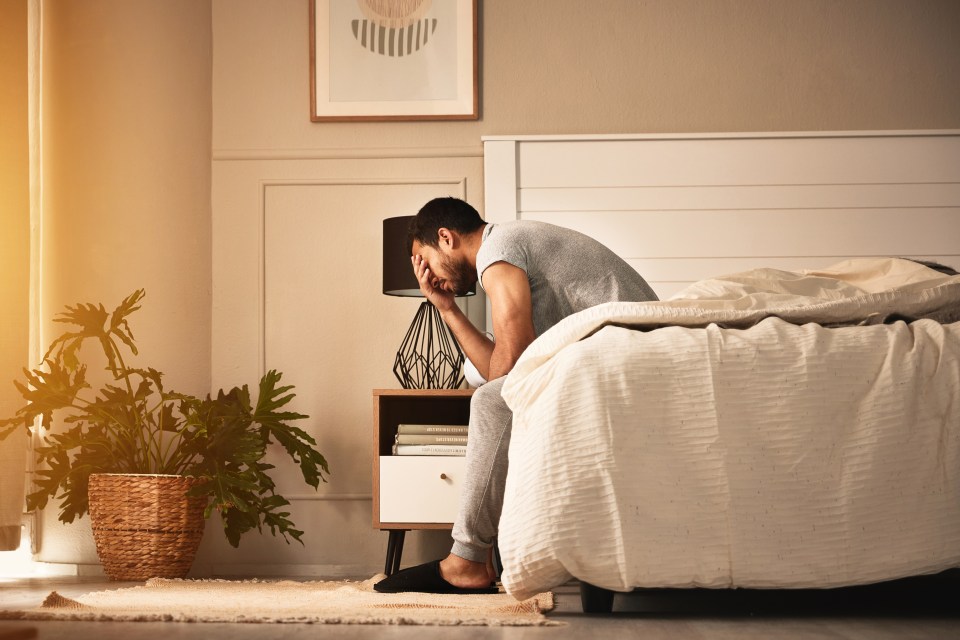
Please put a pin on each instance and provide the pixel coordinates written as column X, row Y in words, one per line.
column 929, row 593
column 596, row 599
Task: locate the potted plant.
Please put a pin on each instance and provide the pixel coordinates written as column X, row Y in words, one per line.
column 148, row 463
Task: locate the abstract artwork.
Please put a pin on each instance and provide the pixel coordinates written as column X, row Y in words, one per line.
column 393, row 60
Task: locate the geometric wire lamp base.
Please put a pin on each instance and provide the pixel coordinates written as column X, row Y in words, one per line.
column 429, row 357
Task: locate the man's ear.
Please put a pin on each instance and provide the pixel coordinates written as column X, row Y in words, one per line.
column 448, row 238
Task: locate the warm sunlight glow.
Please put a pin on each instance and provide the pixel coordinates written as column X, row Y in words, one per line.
column 19, row 564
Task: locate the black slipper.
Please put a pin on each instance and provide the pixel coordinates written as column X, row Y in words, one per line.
column 425, row 578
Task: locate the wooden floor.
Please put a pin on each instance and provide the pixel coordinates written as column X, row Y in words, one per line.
column 877, row 615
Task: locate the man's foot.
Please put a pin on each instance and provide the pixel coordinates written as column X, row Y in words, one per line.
column 468, row 574
column 426, row 578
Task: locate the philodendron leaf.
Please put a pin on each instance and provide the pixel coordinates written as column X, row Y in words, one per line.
column 272, row 398
column 297, row 442
column 91, row 319
column 119, row 326
column 237, row 522
column 169, row 421
column 48, row 481
column 92, row 322
column 75, row 501
column 279, row 522
column 46, row 392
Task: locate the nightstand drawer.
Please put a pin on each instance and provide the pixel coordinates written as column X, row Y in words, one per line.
column 420, row 488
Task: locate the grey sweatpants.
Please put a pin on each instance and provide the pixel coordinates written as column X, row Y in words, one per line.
column 481, row 499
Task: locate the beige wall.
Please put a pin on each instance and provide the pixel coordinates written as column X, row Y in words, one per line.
column 126, row 173
column 623, row 66
column 297, row 205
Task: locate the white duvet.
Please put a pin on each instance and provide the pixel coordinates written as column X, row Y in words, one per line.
column 782, row 454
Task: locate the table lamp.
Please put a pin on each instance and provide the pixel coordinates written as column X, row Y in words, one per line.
column 429, row 356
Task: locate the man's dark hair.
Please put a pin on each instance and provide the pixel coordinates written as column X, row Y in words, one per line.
column 451, row 213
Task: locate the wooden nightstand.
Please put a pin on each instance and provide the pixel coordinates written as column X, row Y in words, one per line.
column 414, row 492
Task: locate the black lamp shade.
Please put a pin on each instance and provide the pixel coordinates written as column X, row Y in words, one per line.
column 398, row 278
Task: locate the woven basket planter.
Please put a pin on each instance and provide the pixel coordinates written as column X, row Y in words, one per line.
column 144, row 525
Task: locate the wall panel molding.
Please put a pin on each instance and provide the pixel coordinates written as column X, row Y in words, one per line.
column 458, row 184
column 335, row 497
column 347, row 153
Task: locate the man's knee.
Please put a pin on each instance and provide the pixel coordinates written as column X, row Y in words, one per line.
column 487, row 399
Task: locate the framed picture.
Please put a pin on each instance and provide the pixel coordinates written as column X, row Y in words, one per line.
column 382, row 60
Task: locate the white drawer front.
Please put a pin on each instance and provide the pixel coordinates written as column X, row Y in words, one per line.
column 420, row 488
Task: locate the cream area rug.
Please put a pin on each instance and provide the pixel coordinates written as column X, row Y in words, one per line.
column 341, row 602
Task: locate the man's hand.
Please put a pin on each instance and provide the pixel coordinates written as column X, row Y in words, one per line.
column 441, row 299
column 475, row 344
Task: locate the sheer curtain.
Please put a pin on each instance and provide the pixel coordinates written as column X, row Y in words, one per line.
column 14, row 255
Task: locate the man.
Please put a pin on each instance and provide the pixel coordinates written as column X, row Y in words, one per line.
column 534, row 274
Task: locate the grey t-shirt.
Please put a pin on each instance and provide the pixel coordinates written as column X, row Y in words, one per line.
column 568, row 271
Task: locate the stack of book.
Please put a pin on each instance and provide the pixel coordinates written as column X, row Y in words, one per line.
column 430, row 440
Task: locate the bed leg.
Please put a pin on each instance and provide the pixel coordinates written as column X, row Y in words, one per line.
column 595, row 599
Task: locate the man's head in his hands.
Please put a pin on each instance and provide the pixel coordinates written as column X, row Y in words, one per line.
column 436, row 233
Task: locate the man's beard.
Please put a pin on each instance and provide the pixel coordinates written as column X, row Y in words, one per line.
column 462, row 277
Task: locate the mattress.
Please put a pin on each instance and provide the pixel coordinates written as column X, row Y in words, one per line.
column 767, row 429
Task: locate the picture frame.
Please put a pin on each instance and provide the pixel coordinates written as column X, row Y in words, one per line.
column 419, row 63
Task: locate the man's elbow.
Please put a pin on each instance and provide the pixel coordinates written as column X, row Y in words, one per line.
column 504, row 359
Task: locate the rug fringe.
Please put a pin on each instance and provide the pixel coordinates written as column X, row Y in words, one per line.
column 57, row 601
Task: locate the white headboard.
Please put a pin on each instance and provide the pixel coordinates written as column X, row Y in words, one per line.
column 680, row 208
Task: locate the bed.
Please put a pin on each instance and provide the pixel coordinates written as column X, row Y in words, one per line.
column 773, row 428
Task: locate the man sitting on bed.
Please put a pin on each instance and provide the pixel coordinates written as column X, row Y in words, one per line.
column 534, row 274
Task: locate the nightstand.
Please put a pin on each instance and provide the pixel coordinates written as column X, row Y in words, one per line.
column 414, row 492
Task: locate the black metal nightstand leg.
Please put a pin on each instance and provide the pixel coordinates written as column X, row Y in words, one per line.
column 398, row 550
column 394, row 550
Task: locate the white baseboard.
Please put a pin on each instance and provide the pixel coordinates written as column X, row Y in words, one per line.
column 216, row 570
column 313, row 571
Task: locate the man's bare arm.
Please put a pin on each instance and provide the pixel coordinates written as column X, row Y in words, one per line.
column 475, row 344
column 508, row 292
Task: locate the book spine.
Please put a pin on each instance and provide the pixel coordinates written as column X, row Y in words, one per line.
column 430, row 439
column 429, row 450
column 432, row 429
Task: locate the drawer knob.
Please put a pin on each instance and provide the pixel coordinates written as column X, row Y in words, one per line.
column 443, row 476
